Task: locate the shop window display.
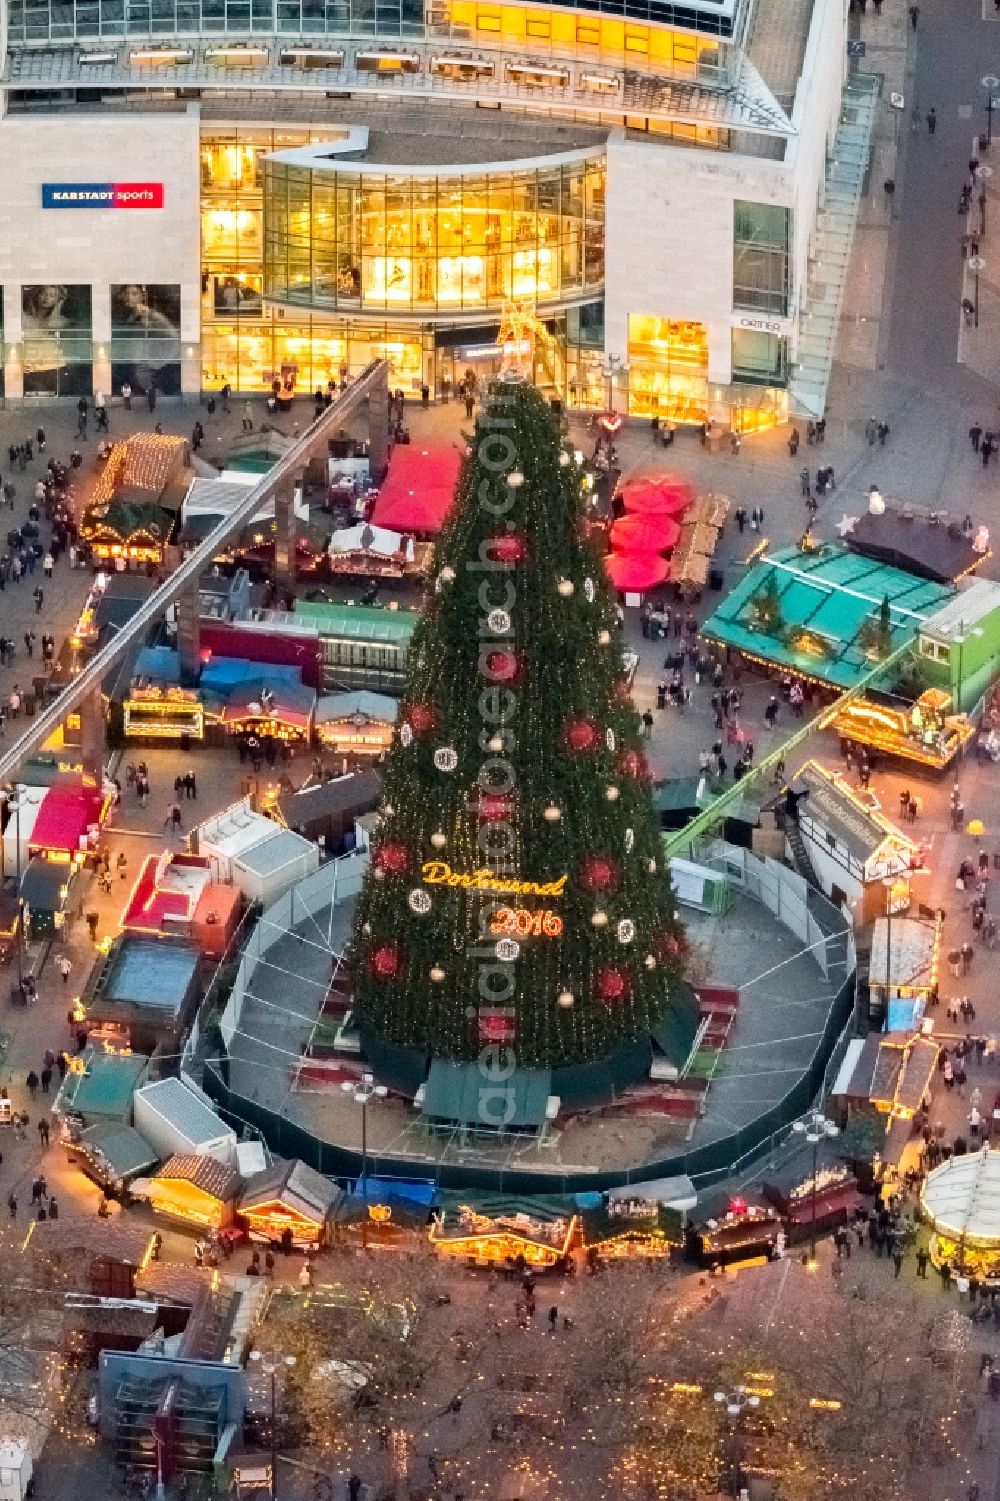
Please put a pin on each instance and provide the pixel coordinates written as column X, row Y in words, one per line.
column 668, row 374
column 145, row 337
column 58, row 340
column 363, row 240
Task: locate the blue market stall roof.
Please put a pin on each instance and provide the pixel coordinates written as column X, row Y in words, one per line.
column 825, row 598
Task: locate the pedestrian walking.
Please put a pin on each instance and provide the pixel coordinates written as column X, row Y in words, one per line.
column 46, row 1078
column 931, row 113
column 922, row 1260
column 43, row 1133
column 914, row 16
column 64, row 965
column 121, row 865
column 805, row 483
column 967, row 956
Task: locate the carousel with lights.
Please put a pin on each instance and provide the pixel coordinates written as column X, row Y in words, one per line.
column 516, row 906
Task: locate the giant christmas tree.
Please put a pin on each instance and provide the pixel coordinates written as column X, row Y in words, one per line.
column 517, row 891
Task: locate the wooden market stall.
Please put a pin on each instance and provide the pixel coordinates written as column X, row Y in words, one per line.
column 743, row 1234
column 360, row 723
column 630, row 1230
column 163, row 711
column 290, row 1202
column 536, row 1232
column 196, row 1190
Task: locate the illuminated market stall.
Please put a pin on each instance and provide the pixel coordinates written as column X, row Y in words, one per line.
column 175, row 893
column 961, row 1202
column 853, row 848
column 123, row 533
column 356, row 724
column 924, row 732
column 826, row 615
column 744, row 1233
column 628, row 1229
column 418, row 491
column 271, row 708
column 289, row 1199
column 536, row 1232
column 196, row 1190
column 112, row 1155
column 161, row 711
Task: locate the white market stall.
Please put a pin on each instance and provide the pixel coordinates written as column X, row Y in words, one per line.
column 236, row 842
column 174, row 1120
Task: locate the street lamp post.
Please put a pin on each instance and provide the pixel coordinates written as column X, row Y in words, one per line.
column 736, row 1402
column 815, row 1128
column 614, row 364
column 361, row 1093
column 271, row 1364
column 990, row 82
column 983, row 175
column 976, row 264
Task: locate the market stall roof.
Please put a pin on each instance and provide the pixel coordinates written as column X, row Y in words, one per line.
column 891, row 1070
column 366, row 538
column 167, row 890
column 294, row 1184
column 657, row 496
column 154, row 974
column 185, row 1112
column 361, row 790
column 44, row 883
column 123, row 1149
column 370, row 706
column 860, row 830
column 975, row 600
column 677, row 1193
column 643, row 532
column 611, row 1221
column 117, row 1240
column 356, row 622
column 419, row 489
column 961, row 1198
column 291, row 703
column 233, row 831
column 455, row 1093
column 637, row 572
column 284, row 848
column 127, row 518
column 66, row 814
column 913, row 953
column 105, row 1087
column 825, row 598
column 208, row 1174
column 545, row 1208
column 912, row 540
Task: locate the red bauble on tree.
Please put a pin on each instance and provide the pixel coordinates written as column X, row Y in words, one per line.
column 420, row 717
column 499, row 666
column 581, row 735
column 632, row 763
column 495, row 807
column 393, row 857
column 611, row 984
column 386, row 961
column 671, row 945
column 598, row 873
column 507, row 549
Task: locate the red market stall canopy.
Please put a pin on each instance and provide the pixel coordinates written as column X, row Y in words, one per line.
column 418, row 491
column 644, row 533
column 635, row 573
column 65, row 818
column 657, row 497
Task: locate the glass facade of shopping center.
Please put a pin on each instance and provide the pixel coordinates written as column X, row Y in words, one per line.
column 66, row 20
column 436, row 243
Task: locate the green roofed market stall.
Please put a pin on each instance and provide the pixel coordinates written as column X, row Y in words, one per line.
column 825, row 614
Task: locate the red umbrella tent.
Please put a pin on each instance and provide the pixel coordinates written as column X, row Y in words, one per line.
column 657, row 497
column 418, row 491
column 644, row 533
column 637, row 572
